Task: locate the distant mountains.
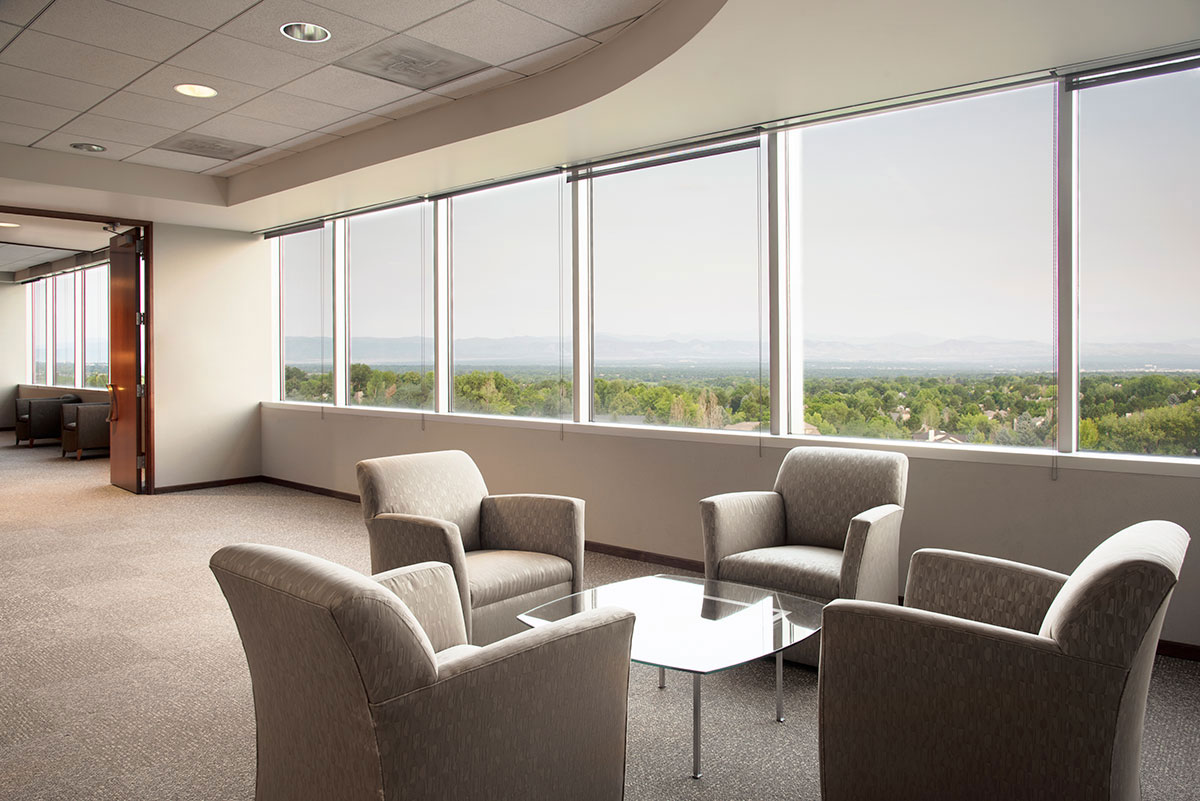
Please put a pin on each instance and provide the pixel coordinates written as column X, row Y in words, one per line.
column 906, row 352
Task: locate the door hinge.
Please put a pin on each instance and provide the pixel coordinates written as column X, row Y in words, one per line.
column 141, row 463
column 141, row 390
column 139, row 318
column 139, row 247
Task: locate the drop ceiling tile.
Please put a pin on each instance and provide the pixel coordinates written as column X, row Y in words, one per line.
column 161, row 81
column 584, row 16
column 132, row 133
column 117, row 27
column 70, row 59
column 390, row 14
column 359, row 122
column 346, row 88
column 245, row 129
column 239, row 60
column 15, row 134
column 50, row 90
column 7, row 32
column 264, row 156
column 19, row 12
column 62, row 141
column 174, row 161
column 550, row 57
column 261, row 25
column 486, row 79
column 152, row 110
column 604, row 34
column 490, row 31
column 307, row 142
column 34, row 115
column 411, row 105
column 209, row 14
column 299, row 112
column 411, row 62
column 229, row 169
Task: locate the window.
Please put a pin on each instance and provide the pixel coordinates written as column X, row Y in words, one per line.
column 95, row 326
column 510, row 315
column 390, row 290
column 1139, row 354
column 923, row 272
column 38, row 300
column 677, row 293
column 307, row 320
column 64, row 330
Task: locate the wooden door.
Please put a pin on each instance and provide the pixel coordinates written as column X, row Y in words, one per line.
column 125, row 361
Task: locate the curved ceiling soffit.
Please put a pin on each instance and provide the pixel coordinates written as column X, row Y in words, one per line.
column 640, row 47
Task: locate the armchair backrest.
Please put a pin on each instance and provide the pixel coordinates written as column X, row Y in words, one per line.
column 824, row 488
column 1110, row 603
column 321, row 641
column 442, row 484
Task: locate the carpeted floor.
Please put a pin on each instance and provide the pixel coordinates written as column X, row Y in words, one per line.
column 122, row 676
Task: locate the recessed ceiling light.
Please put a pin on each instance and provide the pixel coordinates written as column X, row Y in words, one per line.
column 195, row 90
column 88, row 147
column 9, row 225
column 305, row 32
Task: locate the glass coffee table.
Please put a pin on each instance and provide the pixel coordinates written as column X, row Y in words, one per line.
column 698, row 626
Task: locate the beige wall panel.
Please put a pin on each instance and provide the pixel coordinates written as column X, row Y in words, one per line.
column 12, row 349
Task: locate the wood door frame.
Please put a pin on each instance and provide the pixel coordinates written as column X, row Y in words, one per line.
column 148, row 288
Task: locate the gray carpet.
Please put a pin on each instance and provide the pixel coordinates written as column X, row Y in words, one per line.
column 122, row 676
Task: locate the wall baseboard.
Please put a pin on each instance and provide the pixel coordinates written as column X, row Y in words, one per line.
column 677, row 562
column 1179, row 650
column 296, row 485
column 199, row 485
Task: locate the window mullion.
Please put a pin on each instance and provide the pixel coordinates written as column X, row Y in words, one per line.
column 581, row 272
column 341, row 344
column 443, row 371
column 1067, row 267
column 775, row 187
column 80, row 320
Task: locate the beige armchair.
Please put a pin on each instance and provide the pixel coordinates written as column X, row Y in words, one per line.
column 366, row 688
column 830, row 529
column 509, row 553
column 996, row 679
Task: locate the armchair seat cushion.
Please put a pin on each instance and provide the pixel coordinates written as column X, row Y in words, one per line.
column 806, row 570
column 498, row 575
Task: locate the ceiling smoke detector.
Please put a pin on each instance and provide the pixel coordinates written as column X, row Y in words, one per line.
column 195, row 90
column 305, row 32
column 89, row 147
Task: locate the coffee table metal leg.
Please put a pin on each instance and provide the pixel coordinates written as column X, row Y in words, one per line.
column 779, row 686
column 695, row 725
column 662, row 678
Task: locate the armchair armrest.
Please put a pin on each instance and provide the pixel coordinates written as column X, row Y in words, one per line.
column 920, row 705
column 737, row 522
column 543, row 712
column 400, row 540
column 430, row 592
column 981, row 588
column 871, row 559
column 550, row 524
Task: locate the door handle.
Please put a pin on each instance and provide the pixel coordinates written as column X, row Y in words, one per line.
column 112, row 403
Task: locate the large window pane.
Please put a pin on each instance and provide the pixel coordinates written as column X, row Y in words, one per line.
column 38, row 321
column 1139, row 247
column 64, row 330
column 307, row 285
column 511, row 314
column 95, row 326
column 391, row 308
column 923, row 252
column 677, row 295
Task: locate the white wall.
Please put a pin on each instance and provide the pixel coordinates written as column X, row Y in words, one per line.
column 642, row 492
column 211, row 352
column 12, row 349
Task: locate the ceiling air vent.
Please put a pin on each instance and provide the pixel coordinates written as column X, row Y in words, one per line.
column 411, row 62
column 212, row 147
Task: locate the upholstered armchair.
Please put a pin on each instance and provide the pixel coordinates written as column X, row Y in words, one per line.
column 84, row 427
column 41, row 418
column 997, row 679
column 830, row 529
column 366, row 688
column 509, row 553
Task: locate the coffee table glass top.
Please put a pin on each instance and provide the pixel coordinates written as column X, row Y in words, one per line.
column 695, row 625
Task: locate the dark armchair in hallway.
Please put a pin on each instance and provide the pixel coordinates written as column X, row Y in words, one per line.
column 84, row 427
column 41, row 418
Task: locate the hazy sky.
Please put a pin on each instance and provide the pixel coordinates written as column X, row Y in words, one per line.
column 936, row 221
